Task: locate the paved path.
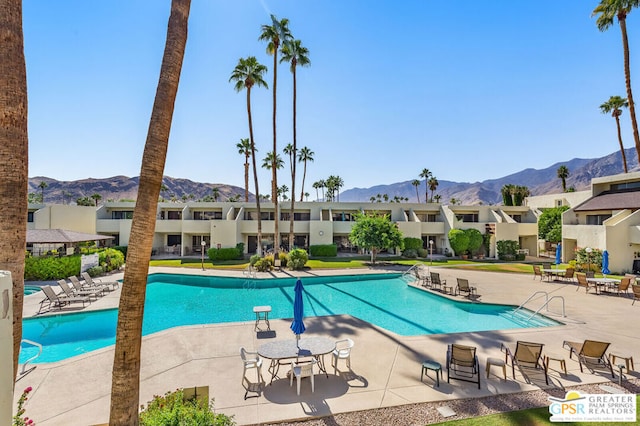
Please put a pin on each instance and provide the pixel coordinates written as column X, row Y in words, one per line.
column 386, row 367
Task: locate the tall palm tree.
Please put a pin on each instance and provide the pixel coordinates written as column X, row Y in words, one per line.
column 416, row 183
column 296, row 54
column 426, row 174
column 607, row 11
column 215, row 193
column 14, row 144
column 246, row 74
column 244, row 148
column 613, row 106
column 316, row 186
column 96, row 197
column 275, row 35
column 304, row 156
column 563, row 174
column 125, row 389
column 289, row 151
column 43, row 185
column 507, row 200
column 433, row 185
column 323, row 185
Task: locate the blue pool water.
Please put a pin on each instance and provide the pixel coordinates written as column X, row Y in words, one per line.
column 31, row 289
column 175, row 300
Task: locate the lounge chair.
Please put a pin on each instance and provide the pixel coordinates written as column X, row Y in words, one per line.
column 94, row 282
column 591, row 354
column 78, row 286
column 58, row 300
column 464, row 287
column 70, row 292
column 462, row 364
column 527, row 356
column 435, row 280
column 537, row 272
column 636, row 293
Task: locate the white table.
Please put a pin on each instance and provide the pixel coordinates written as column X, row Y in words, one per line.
column 262, row 313
column 554, row 272
column 602, row 282
column 278, row 350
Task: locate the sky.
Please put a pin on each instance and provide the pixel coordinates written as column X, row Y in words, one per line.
column 470, row 90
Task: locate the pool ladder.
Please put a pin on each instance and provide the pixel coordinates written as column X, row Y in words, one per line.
column 544, row 305
column 411, row 274
column 23, row 369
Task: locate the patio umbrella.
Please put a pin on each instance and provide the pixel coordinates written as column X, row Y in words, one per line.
column 298, row 310
column 558, row 254
column 605, row 263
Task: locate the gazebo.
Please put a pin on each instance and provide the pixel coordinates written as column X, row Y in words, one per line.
column 45, row 239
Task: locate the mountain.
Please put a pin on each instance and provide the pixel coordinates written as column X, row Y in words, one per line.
column 543, row 181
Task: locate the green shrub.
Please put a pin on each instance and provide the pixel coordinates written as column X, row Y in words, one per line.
column 264, row 265
column 110, row 259
column 95, row 271
column 422, row 252
column 284, row 258
column 410, row 253
column 475, row 239
column 122, row 249
column 323, row 250
column 51, row 268
column 459, row 241
column 172, row 410
column 412, row 243
column 507, row 249
column 240, row 248
column 297, row 259
column 254, row 258
column 227, row 253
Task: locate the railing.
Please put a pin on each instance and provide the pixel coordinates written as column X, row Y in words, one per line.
column 546, row 304
column 23, row 369
column 546, row 297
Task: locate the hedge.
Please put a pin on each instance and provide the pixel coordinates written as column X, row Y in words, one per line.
column 412, row 243
column 228, row 253
column 324, row 250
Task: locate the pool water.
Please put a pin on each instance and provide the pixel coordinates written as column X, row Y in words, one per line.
column 31, row 289
column 175, row 300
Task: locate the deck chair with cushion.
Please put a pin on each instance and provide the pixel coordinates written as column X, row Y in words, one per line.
column 527, row 357
column 591, row 354
column 96, row 281
column 464, row 287
column 636, row 293
column 462, row 364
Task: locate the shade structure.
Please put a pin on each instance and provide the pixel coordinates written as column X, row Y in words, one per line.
column 605, row 262
column 559, row 254
column 298, row 310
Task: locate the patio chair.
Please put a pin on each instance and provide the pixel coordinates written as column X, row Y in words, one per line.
column 546, row 265
column 462, row 364
column 591, row 354
column 569, row 274
column 527, row 356
column 70, row 292
column 582, row 282
column 537, row 272
column 300, row 371
column 342, row 351
column 251, row 360
column 77, row 286
column 635, row 288
column 435, row 280
column 621, row 287
column 464, row 287
column 97, row 281
column 422, row 276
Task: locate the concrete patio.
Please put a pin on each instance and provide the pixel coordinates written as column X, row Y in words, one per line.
column 385, row 367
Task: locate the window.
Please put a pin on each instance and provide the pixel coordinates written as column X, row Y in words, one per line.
column 427, row 217
column 516, row 217
column 30, row 217
column 467, row 217
column 196, row 241
column 597, row 219
column 302, row 216
column 174, row 215
column 122, row 214
column 207, row 215
column 625, row 185
column 174, row 240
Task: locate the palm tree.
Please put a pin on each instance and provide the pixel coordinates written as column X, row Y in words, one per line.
column 14, row 148
column 304, row 156
column 323, row 185
column 507, row 200
column 125, row 387
column 244, row 148
column 426, row 174
column 246, row 74
column 416, row 183
column 316, row 186
column 43, row 185
column 453, row 201
column 267, row 163
column 306, row 196
column 607, row 10
column 433, row 185
column 289, row 151
column 96, row 197
column 66, row 197
column 613, row 106
column 282, row 192
column 563, row 174
column 437, row 198
column 275, row 34
column 215, row 192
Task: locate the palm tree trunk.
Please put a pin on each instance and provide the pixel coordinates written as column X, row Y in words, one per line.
column 246, row 178
column 274, row 169
column 255, row 170
column 627, row 80
column 14, row 152
column 624, row 156
column 294, row 162
column 125, row 390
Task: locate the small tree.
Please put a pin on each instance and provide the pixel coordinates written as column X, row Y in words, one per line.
column 375, row 233
column 475, row 239
column 459, row 241
column 550, row 224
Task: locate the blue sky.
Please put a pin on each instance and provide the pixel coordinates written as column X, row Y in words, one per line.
column 470, row 90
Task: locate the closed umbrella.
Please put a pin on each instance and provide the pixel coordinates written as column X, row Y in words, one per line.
column 605, row 263
column 558, row 254
column 298, row 310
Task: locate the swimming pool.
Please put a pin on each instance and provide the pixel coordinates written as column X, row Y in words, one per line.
column 175, row 300
column 31, row 289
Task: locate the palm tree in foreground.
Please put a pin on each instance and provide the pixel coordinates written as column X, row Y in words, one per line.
column 607, row 11
column 14, row 143
column 613, row 106
column 125, row 387
column 563, row 174
column 244, row 148
column 246, row 74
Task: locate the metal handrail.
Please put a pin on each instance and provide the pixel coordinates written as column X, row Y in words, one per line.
column 23, row 369
column 546, row 296
column 546, row 304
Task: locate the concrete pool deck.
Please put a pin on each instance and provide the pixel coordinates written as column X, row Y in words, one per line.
column 385, row 367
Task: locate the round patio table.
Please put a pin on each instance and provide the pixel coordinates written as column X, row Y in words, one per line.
column 290, row 349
